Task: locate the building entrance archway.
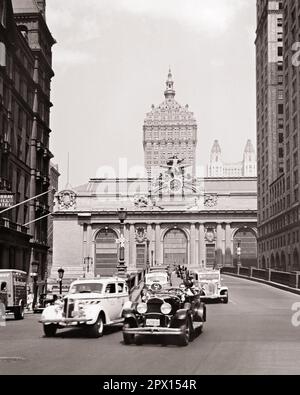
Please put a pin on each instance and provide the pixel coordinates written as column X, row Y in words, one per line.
column 106, row 253
column 175, row 248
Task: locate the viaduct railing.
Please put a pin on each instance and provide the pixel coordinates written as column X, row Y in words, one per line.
column 289, row 279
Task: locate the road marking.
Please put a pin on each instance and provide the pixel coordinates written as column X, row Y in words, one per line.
column 8, row 359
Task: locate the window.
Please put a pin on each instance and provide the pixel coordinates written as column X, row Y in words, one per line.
column 120, row 287
column 2, row 13
column 110, row 289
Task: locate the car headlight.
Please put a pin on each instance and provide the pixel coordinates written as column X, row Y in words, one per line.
column 166, row 308
column 142, row 308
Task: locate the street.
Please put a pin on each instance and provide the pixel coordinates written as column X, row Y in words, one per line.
column 253, row 334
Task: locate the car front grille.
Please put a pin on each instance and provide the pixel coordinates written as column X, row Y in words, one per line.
column 68, row 308
column 154, row 305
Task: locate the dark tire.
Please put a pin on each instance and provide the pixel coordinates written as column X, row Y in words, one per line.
column 185, row 337
column 96, row 330
column 128, row 339
column 225, row 299
column 139, row 340
column 50, row 330
column 19, row 313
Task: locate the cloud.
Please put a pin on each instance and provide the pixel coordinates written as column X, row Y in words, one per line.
column 67, row 57
column 85, row 19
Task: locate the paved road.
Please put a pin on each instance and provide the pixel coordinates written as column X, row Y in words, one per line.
column 253, row 334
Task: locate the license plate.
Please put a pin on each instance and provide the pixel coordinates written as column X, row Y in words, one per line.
column 152, row 322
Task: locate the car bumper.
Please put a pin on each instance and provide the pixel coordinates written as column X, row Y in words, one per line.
column 153, row 331
column 66, row 321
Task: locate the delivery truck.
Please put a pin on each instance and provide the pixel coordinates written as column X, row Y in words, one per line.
column 13, row 292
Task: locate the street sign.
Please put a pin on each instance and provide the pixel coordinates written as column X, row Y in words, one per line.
column 6, row 200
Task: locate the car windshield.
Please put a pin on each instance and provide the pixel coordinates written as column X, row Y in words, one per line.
column 157, row 278
column 86, row 288
column 208, row 276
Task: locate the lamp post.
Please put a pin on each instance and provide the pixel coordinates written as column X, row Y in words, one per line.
column 122, row 214
column 148, row 257
column 239, row 252
column 60, row 278
column 87, row 262
column 34, row 276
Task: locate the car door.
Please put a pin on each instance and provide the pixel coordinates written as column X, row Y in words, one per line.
column 123, row 296
column 111, row 299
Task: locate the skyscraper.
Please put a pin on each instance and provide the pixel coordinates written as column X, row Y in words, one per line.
column 277, row 135
column 169, row 130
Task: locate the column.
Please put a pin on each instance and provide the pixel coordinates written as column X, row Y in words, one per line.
column 193, row 246
column 157, row 244
column 219, row 245
column 202, row 246
column 228, row 246
column 127, row 245
column 132, row 263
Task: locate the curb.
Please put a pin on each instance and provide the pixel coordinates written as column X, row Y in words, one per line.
column 258, row 280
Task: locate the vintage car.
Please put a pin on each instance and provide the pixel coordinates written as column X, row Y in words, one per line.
column 173, row 313
column 13, row 292
column 44, row 301
column 156, row 277
column 90, row 304
column 209, row 282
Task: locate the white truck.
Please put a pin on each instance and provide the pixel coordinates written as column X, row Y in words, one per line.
column 13, row 291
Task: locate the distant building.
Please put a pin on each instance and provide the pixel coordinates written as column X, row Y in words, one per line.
column 245, row 168
column 169, row 130
column 25, row 78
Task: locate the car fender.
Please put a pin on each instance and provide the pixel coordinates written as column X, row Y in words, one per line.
column 130, row 318
column 52, row 313
column 181, row 315
column 200, row 312
column 223, row 290
column 92, row 312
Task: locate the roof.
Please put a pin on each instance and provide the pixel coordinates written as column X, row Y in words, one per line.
column 99, row 279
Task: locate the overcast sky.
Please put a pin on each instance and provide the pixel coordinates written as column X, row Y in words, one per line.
column 111, row 62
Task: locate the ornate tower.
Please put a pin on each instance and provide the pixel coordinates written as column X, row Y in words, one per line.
column 169, row 130
column 249, row 161
column 216, row 167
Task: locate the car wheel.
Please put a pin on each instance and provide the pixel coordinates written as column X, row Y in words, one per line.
column 225, row 299
column 96, row 330
column 128, row 338
column 50, row 330
column 19, row 313
column 185, row 336
column 139, row 340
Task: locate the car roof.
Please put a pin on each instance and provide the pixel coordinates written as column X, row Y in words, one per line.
column 12, row 271
column 100, row 280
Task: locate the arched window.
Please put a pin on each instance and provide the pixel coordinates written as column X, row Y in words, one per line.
column 175, row 248
column 245, row 239
column 106, row 252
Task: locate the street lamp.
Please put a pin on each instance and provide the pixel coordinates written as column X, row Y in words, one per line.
column 122, row 214
column 34, row 276
column 87, row 262
column 148, row 257
column 61, row 273
column 239, row 252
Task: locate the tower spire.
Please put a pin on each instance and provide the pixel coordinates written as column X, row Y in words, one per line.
column 170, row 92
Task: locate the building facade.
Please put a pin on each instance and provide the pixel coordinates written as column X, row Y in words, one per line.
column 25, row 78
column 169, row 130
column 246, row 168
column 54, row 175
column 277, row 135
column 201, row 227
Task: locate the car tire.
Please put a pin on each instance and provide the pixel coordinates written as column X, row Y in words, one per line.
column 96, row 330
column 127, row 338
column 226, row 299
column 50, row 330
column 139, row 340
column 19, row 313
column 185, row 336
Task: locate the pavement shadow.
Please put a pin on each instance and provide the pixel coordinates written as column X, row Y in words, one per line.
column 80, row 333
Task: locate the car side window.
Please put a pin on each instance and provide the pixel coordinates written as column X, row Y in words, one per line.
column 120, row 287
column 110, row 289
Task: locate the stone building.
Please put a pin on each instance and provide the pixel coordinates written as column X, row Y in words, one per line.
column 278, row 134
column 25, row 77
column 245, row 168
column 169, row 130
